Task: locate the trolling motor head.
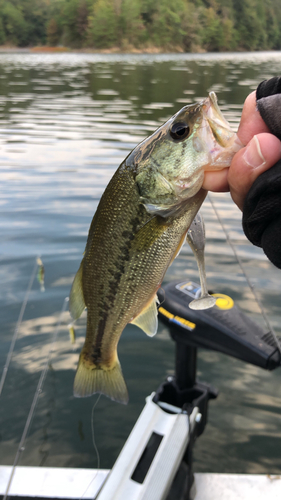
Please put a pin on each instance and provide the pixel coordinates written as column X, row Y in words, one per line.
column 223, row 328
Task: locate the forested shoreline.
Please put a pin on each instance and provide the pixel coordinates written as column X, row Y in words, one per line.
column 127, row 25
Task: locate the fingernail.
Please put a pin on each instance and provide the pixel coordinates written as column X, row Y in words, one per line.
column 253, row 155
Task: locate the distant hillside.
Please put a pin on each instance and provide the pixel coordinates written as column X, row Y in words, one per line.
column 167, row 25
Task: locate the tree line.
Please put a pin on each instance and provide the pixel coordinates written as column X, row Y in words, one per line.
column 185, row 25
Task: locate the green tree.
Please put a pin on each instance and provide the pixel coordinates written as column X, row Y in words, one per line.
column 229, row 35
column 163, row 21
column 103, row 24
column 190, row 25
column 35, row 14
column 53, row 34
column 249, row 25
column 131, row 24
column 217, row 30
column 273, row 23
column 82, row 19
column 74, row 21
column 211, row 30
column 2, row 32
column 14, row 24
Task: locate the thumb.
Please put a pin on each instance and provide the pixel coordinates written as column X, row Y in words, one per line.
column 261, row 153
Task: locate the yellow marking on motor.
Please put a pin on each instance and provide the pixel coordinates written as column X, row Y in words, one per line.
column 187, row 323
column 178, row 319
column 165, row 313
column 185, row 285
column 223, row 301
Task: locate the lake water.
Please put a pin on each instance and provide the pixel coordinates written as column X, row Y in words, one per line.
column 66, row 123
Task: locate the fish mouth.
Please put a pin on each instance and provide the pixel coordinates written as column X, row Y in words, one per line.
column 225, row 142
column 219, row 125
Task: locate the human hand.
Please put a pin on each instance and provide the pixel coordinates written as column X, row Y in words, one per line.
column 262, row 150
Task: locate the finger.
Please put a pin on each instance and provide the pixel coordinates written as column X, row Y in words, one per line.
column 262, row 152
column 251, row 121
column 216, row 181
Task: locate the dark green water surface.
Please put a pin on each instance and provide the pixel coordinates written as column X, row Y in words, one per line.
column 66, row 123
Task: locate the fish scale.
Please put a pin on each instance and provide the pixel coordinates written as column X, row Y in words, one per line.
column 142, row 263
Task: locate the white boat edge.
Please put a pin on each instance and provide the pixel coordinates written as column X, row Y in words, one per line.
column 60, row 482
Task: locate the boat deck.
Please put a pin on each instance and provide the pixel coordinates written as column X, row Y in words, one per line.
column 67, row 483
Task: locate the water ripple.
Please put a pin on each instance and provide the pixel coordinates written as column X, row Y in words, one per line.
column 66, row 122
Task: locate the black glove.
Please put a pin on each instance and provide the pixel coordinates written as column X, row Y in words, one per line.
column 262, row 206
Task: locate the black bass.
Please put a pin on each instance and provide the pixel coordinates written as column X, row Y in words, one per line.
column 138, row 229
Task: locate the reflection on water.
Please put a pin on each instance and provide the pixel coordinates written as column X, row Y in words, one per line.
column 66, row 123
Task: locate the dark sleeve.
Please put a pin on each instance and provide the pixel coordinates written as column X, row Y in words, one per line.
column 269, row 104
column 262, row 206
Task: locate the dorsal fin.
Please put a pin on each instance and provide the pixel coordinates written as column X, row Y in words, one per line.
column 76, row 297
column 147, row 319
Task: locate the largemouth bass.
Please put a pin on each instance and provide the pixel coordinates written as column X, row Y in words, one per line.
column 138, row 229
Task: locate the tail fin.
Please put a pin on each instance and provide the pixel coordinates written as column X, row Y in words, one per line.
column 90, row 379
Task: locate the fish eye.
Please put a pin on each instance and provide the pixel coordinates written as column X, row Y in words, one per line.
column 179, row 131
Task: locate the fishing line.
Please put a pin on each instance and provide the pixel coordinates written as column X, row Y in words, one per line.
column 95, row 447
column 18, row 325
column 37, row 393
column 250, row 284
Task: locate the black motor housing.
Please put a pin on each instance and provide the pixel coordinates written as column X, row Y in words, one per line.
column 222, row 328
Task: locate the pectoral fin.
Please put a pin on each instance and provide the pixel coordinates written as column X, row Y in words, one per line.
column 76, row 297
column 147, row 320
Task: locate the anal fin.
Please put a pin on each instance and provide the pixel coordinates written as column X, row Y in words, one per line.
column 147, row 320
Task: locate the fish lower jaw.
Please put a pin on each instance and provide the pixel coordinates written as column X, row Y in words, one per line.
column 187, row 188
column 221, row 157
